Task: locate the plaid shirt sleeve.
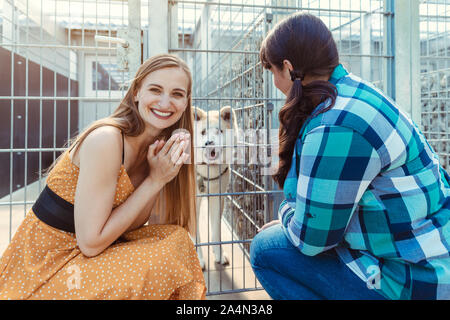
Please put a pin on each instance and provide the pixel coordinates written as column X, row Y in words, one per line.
column 337, row 165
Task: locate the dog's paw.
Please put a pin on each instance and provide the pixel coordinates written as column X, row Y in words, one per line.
column 223, row 260
column 202, row 264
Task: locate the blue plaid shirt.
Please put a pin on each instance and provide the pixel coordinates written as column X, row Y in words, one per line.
column 365, row 181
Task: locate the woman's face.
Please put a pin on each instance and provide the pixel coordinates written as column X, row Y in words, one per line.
column 162, row 97
column 282, row 78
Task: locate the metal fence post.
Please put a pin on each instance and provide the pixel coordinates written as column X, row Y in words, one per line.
column 407, row 57
column 268, row 107
column 134, row 36
column 389, row 49
column 158, row 27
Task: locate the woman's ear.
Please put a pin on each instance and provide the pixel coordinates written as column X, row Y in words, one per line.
column 287, row 68
column 287, row 64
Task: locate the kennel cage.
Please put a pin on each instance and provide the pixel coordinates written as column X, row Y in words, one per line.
column 66, row 63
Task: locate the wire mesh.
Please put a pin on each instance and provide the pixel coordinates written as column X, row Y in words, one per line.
column 435, row 73
column 221, row 40
column 58, row 79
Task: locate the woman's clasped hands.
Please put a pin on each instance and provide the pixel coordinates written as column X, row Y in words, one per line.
column 166, row 158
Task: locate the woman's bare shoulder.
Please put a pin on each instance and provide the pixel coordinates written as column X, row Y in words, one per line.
column 107, row 134
column 104, row 143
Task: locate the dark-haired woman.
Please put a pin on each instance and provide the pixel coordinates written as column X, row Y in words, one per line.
column 367, row 204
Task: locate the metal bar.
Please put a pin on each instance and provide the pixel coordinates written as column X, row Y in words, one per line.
column 257, row 53
column 69, row 40
column 56, row 46
column 11, row 140
column 211, row 293
column 16, row 203
column 435, row 57
column 40, row 102
column 26, row 112
column 247, row 180
column 244, row 251
column 261, row 6
column 243, row 211
column 434, row 71
column 239, row 193
column 99, row 99
column 268, row 108
column 389, row 49
column 26, row 150
column 250, row 107
column 237, row 99
column 214, row 243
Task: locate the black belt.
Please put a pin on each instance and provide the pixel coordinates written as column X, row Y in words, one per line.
column 54, row 210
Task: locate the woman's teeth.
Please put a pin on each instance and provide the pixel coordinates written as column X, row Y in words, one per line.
column 162, row 114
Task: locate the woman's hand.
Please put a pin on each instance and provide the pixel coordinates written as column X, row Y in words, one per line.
column 269, row 224
column 166, row 159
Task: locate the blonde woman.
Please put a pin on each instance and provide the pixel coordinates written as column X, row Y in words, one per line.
column 85, row 237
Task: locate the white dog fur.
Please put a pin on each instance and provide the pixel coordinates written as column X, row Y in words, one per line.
column 211, row 133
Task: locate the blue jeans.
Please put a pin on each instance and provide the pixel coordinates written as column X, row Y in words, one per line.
column 286, row 273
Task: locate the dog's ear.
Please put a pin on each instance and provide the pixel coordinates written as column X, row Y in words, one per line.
column 227, row 114
column 198, row 114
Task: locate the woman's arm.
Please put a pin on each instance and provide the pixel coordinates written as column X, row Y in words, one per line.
column 144, row 216
column 124, row 216
column 96, row 224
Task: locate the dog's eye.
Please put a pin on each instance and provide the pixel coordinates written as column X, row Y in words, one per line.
column 203, row 131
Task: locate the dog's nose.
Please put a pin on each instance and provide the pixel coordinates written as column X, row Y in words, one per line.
column 207, row 143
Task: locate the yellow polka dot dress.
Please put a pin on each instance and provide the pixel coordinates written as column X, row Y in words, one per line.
column 152, row 262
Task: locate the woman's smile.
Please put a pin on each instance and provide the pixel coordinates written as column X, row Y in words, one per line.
column 161, row 114
column 163, row 97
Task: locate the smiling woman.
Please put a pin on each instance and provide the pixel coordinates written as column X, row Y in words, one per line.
column 162, row 97
column 101, row 192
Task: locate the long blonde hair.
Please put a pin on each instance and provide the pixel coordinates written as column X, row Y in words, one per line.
column 126, row 118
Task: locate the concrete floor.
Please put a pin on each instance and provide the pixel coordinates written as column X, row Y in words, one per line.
column 238, row 275
column 12, row 216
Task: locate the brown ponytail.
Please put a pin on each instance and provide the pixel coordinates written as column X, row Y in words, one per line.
column 306, row 42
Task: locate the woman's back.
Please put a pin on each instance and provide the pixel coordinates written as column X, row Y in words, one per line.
column 393, row 181
column 360, row 179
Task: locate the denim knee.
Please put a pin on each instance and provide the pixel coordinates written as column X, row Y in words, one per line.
column 255, row 249
column 265, row 240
